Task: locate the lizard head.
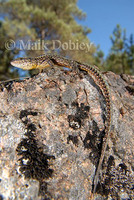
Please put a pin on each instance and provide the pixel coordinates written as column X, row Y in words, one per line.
column 39, row 62
column 24, row 63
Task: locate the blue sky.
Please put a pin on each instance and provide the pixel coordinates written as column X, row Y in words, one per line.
column 103, row 16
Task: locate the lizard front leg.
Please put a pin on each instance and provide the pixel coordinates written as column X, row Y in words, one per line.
column 44, row 63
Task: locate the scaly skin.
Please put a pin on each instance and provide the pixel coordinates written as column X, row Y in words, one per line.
column 44, row 61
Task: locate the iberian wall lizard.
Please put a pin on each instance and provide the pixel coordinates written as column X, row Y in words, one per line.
column 44, row 61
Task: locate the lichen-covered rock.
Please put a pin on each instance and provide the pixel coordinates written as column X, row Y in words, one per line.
column 51, row 130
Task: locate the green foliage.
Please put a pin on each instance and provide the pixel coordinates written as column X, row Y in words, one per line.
column 30, row 28
column 5, row 56
column 45, row 25
column 121, row 57
column 130, row 53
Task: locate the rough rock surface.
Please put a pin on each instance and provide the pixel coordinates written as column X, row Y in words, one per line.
column 51, row 130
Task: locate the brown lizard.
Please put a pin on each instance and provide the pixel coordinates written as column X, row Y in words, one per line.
column 49, row 60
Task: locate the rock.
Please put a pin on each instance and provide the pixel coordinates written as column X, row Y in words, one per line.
column 51, row 130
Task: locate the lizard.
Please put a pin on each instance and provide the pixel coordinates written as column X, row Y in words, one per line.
column 49, row 60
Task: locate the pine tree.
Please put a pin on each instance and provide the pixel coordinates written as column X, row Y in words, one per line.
column 121, row 57
column 130, row 53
